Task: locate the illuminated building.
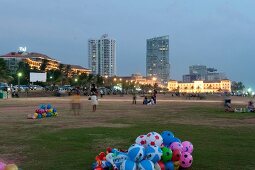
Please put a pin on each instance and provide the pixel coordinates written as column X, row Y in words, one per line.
column 157, row 58
column 78, row 70
column 102, row 56
column 139, row 79
column 35, row 60
column 200, row 86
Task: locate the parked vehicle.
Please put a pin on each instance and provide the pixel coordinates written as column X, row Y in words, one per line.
column 4, row 87
column 36, row 87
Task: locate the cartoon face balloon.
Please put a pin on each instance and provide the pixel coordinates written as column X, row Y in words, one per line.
column 187, row 146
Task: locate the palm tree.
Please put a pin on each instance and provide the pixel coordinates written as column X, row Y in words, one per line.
column 4, row 72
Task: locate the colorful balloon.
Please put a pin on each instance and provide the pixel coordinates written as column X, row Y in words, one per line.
column 167, row 137
column 2, row 165
column 146, row 165
column 186, row 160
column 49, row 106
column 187, row 146
column 169, row 165
column 176, row 155
column 175, row 140
column 11, row 167
column 176, row 165
column 136, row 152
column 160, row 166
column 176, row 145
column 39, row 116
column 42, row 106
column 153, row 138
column 128, row 165
column 54, row 110
column 167, row 154
column 141, row 140
column 153, row 153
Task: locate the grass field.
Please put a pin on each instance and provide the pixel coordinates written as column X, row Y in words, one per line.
column 221, row 140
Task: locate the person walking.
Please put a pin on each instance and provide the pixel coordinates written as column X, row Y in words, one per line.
column 76, row 104
column 94, row 100
column 134, row 97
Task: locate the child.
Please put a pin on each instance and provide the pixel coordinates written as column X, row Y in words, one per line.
column 94, row 94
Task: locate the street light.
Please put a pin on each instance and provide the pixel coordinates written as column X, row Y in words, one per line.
column 76, row 79
column 154, row 78
column 19, row 75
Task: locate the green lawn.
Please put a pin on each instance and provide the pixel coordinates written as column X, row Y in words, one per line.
column 221, row 140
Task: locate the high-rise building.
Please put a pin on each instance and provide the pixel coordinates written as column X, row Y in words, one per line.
column 102, row 56
column 199, row 70
column 202, row 73
column 157, row 58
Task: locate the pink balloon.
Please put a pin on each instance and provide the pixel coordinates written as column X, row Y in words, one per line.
column 176, row 146
column 2, row 165
column 187, row 146
column 186, row 160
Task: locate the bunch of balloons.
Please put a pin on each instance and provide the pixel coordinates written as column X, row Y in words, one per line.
column 44, row 111
column 4, row 166
column 152, row 151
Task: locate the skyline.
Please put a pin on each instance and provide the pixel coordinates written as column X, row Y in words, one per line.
column 217, row 33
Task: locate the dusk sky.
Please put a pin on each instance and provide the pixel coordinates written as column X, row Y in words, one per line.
column 216, row 33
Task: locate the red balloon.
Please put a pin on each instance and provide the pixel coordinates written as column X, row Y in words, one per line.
column 176, row 155
column 161, row 165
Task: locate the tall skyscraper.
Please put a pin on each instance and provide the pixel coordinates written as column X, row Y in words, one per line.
column 102, row 56
column 157, row 58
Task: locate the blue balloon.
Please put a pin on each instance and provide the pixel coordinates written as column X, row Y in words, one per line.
column 169, row 165
column 42, row 106
column 54, row 110
column 146, row 165
column 153, row 153
column 136, row 152
column 128, row 165
column 167, row 137
column 39, row 116
column 175, row 140
column 49, row 106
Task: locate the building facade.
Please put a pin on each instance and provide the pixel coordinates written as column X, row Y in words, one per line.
column 35, row 60
column 157, row 58
column 102, row 56
column 200, row 86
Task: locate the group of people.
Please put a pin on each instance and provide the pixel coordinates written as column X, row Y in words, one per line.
column 76, row 103
column 148, row 100
column 250, row 107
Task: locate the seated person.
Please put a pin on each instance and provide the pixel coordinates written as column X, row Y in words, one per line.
column 250, row 107
column 145, row 101
column 150, row 101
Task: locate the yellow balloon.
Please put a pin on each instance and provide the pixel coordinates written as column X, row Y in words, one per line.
column 11, row 167
column 44, row 114
column 50, row 110
column 176, row 165
column 35, row 115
